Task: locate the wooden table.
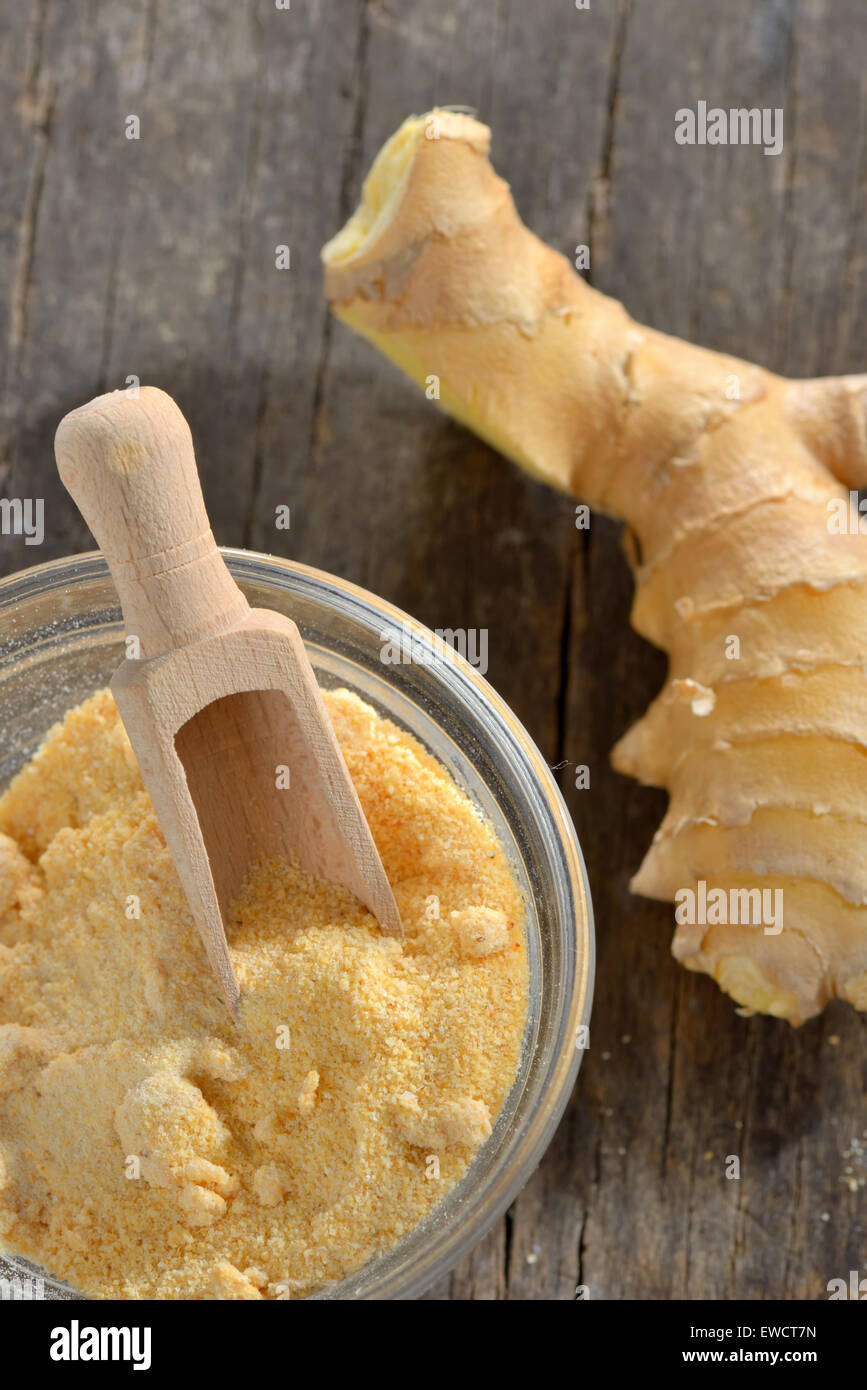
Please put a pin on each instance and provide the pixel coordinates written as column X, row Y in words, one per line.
column 155, row 258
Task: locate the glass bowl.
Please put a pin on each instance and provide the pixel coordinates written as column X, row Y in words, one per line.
column 61, row 637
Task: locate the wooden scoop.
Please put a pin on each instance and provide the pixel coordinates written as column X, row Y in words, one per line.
column 219, row 700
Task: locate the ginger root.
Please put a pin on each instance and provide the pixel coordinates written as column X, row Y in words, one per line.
column 749, row 561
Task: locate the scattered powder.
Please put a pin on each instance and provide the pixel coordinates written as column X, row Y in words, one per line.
column 148, row 1148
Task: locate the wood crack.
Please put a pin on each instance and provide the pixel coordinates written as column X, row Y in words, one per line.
column 598, row 198
column 248, row 184
column 348, row 195
column 789, row 232
column 853, row 250
column 250, row 517
column 118, row 232
column 38, row 105
column 248, row 198
column 150, row 36
column 740, row 1209
column 669, row 1090
column 565, row 658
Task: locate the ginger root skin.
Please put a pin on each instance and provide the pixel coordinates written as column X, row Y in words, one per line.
column 729, row 478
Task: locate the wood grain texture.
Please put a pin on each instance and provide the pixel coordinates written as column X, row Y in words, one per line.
column 157, row 258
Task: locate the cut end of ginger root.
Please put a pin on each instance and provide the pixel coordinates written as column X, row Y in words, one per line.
column 734, row 483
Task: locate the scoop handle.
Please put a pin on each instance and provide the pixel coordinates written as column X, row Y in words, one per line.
column 128, row 462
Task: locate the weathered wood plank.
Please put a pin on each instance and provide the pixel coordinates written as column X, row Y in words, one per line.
column 56, row 298
column 25, row 103
column 822, row 323
column 157, row 257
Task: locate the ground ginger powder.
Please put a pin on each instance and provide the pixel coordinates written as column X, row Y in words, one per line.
column 150, row 1149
